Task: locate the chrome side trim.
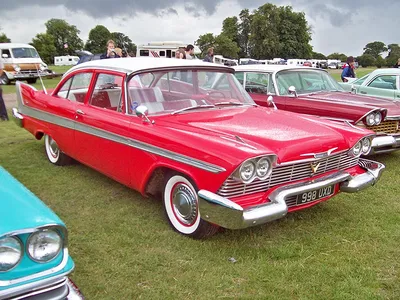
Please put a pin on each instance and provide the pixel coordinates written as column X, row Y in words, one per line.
column 64, row 122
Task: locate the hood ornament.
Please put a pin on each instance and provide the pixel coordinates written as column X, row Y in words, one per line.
column 320, row 154
column 314, row 167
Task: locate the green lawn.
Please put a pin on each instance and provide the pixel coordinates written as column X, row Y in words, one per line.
column 360, row 72
column 345, row 248
column 48, row 83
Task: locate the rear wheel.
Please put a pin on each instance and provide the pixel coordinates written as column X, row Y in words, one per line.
column 54, row 154
column 182, row 209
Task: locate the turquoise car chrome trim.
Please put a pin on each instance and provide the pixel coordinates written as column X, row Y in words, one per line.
column 50, row 118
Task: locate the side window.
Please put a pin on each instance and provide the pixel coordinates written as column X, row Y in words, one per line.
column 240, row 77
column 76, row 88
column 6, row 51
column 387, row 82
column 107, row 92
column 257, row 83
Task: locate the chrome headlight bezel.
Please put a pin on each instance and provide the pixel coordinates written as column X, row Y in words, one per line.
column 46, row 258
column 362, row 147
column 374, row 118
column 19, row 243
column 256, row 164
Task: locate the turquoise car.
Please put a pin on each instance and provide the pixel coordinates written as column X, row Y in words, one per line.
column 34, row 259
column 382, row 83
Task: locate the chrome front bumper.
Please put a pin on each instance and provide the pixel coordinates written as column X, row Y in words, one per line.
column 382, row 144
column 224, row 212
column 60, row 287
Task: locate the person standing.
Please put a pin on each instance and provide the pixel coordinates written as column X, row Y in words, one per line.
column 3, row 110
column 110, row 51
column 348, row 70
column 397, row 64
column 210, row 55
column 189, row 51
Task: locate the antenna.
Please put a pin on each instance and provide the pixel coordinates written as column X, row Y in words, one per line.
column 41, row 81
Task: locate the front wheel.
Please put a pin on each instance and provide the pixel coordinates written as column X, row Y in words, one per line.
column 182, row 209
column 54, row 154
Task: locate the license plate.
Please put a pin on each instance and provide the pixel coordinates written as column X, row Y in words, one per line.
column 314, row 195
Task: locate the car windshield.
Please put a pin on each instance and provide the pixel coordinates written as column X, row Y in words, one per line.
column 181, row 91
column 306, row 81
column 24, row 53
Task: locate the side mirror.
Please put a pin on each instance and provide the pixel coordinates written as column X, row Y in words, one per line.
column 142, row 111
column 4, row 55
column 270, row 102
column 353, row 89
column 292, row 91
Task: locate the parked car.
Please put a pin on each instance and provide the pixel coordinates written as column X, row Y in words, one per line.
column 34, row 259
column 307, row 64
column 314, row 92
column 164, row 127
column 323, row 65
column 333, row 66
column 382, row 83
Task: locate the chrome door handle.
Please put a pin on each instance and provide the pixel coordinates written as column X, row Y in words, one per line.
column 362, row 92
column 80, row 112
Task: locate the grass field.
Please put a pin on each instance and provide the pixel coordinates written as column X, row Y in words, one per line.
column 345, row 248
column 48, row 83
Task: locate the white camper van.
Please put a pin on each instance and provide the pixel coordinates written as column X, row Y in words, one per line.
column 66, row 60
column 21, row 62
column 162, row 49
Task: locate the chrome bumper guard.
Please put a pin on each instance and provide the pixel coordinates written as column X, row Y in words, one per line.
column 224, row 212
column 381, row 144
column 60, row 287
column 18, row 118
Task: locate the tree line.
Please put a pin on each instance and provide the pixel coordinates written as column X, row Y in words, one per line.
column 62, row 38
column 265, row 33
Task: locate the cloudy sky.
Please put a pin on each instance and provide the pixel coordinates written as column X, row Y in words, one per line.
column 337, row 25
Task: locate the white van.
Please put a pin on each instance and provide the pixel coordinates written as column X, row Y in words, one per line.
column 66, row 60
column 21, row 62
column 163, row 49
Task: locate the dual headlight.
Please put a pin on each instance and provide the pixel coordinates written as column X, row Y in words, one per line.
column 260, row 168
column 373, row 119
column 362, row 147
column 43, row 67
column 41, row 246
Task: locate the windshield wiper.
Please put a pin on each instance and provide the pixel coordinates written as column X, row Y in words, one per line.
column 192, row 107
column 232, row 103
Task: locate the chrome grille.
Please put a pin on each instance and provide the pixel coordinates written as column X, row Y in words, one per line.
column 386, row 127
column 287, row 173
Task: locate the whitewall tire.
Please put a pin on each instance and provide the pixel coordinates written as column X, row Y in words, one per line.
column 182, row 209
column 54, row 154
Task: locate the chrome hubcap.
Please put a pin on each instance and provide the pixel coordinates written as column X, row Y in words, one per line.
column 53, row 148
column 184, row 204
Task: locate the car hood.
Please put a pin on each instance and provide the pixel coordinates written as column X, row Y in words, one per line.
column 346, row 98
column 21, row 209
column 262, row 130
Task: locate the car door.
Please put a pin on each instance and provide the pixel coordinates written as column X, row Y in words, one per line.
column 383, row 86
column 102, row 127
column 62, row 106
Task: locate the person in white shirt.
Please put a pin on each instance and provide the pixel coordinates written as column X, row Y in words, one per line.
column 3, row 110
column 189, row 51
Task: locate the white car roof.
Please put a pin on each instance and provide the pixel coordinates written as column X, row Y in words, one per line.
column 14, row 45
column 269, row 68
column 134, row 64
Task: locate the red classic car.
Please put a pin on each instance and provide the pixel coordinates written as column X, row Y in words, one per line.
column 314, row 92
column 163, row 127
